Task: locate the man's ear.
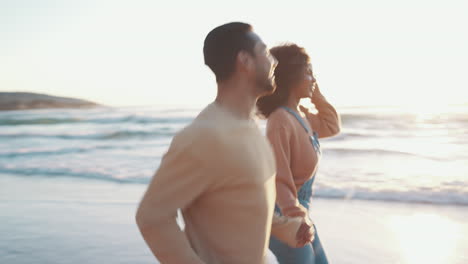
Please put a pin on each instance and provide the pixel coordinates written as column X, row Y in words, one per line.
column 244, row 61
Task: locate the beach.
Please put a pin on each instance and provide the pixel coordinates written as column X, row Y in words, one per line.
column 92, row 94
column 68, row 220
column 391, row 188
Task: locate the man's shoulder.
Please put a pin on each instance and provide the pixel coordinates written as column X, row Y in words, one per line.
column 199, row 134
column 195, row 130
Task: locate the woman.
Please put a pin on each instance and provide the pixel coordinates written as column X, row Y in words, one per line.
column 293, row 132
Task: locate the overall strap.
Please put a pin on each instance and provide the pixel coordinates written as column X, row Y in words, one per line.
column 314, row 138
column 298, row 117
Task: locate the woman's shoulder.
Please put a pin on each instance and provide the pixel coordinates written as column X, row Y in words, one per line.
column 279, row 113
column 280, row 118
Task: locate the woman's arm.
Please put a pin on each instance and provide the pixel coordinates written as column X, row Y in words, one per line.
column 327, row 121
column 286, row 193
column 294, row 231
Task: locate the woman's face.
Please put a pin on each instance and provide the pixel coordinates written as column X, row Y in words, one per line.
column 305, row 87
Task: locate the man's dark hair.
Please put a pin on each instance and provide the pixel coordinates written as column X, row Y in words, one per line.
column 223, row 44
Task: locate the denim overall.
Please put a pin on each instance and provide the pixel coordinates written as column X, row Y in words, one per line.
column 310, row 253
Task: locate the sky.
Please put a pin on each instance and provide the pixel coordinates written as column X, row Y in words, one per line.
column 141, row 52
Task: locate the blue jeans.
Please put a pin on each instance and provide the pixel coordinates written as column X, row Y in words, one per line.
column 311, row 253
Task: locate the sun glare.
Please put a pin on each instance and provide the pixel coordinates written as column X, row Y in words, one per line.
column 425, row 238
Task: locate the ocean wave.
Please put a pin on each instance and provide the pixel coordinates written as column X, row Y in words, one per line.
column 352, row 135
column 38, row 121
column 53, row 173
column 354, row 151
column 367, row 151
column 98, row 136
column 125, row 119
column 406, row 122
column 449, row 194
column 56, row 152
column 447, row 197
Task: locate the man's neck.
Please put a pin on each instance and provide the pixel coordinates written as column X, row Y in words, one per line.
column 234, row 96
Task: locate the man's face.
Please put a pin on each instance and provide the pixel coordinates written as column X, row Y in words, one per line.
column 265, row 65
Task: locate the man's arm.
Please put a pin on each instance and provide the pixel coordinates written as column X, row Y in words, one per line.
column 175, row 185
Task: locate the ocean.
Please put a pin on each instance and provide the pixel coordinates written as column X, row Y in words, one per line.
column 383, row 154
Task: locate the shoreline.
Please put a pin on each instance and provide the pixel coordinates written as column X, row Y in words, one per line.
column 69, row 220
column 328, row 198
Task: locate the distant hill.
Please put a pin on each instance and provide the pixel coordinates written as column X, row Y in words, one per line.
column 20, row 101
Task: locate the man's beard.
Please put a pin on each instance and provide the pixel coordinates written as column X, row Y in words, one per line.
column 266, row 86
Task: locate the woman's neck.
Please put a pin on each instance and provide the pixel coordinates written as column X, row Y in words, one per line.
column 293, row 103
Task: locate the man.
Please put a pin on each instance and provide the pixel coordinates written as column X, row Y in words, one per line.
column 220, row 169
